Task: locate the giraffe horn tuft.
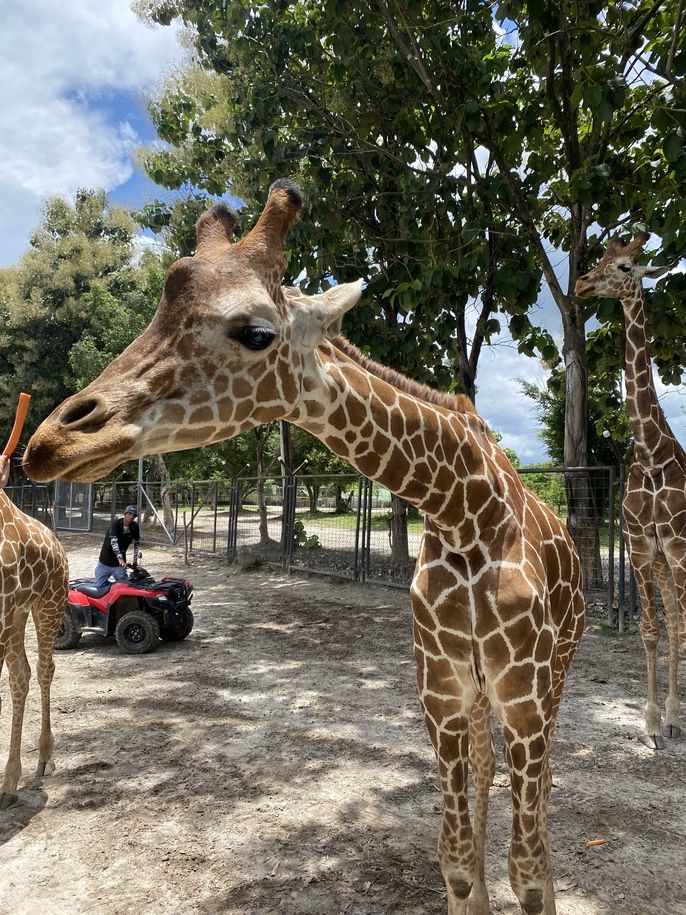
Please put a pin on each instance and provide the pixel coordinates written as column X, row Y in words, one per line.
column 637, row 243
column 282, row 206
column 214, row 228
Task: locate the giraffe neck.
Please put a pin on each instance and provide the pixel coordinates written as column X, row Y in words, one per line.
column 653, row 439
column 437, row 459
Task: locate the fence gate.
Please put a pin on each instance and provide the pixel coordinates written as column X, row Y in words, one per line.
column 73, row 506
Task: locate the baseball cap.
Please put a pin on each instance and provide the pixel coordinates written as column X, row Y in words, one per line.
column 132, row 509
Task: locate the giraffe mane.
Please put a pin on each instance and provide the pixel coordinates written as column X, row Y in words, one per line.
column 458, row 403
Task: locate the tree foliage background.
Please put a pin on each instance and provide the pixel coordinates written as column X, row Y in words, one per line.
column 453, row 154
column 461, row 157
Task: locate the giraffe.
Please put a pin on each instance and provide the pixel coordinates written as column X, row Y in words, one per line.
column 496, row 597
column 654, row 503
column 33, row 579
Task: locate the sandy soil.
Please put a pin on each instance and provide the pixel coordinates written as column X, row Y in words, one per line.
column 277, row 761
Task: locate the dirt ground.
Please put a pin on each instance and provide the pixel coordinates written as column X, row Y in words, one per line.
column 277, row 761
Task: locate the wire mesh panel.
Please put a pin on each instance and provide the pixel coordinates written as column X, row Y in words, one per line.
column 207, row 506
column 324, row 524
column 160, row 508
column 73, row 505
column 348, row 526
column 393, row 530
column 33, row 499
column 258, row 528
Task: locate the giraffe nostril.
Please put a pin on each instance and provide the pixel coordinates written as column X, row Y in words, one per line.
column 85, row 410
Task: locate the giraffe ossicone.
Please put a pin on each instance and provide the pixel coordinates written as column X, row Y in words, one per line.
column 496, row 596
column 654, row 502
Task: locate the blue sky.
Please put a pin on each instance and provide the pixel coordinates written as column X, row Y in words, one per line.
column 76, row 76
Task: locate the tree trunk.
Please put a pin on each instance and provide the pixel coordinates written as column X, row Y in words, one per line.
column 262, row 513
column 342, row 505
column 165, row 492
column 400, row 551
column 582, row 519
column 261, row 435
column 312, row 495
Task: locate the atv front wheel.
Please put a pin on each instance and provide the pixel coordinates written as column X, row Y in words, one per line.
column 179, row 628
column 67, row 635
column 137, row 632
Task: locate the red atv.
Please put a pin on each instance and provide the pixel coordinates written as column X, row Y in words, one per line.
column 137, row 612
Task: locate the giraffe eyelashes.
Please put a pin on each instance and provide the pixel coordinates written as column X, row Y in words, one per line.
column 255, row 338
column 625, row 268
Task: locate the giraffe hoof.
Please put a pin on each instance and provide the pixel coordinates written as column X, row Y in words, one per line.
column 8, row 800
column 671, row 730
column 45, row 767
column 652, row 741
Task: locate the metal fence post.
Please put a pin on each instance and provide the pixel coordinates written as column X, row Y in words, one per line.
column 611, row 547
column 234, row 508
column 214, row 526
column 290, row 496
column 358, row 529
column 190, row 545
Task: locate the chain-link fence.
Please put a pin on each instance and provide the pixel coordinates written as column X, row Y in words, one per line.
column 341, row 525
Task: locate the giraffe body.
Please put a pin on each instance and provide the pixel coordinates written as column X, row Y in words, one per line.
column 496, row 597
column 34, row 574
column 654, row 502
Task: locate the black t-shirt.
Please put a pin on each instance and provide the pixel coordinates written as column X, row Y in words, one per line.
column 122, row 538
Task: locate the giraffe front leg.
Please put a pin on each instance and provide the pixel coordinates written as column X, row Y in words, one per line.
column 457, row 854
column 447, row 713
column 47, row 620
column 650, row 635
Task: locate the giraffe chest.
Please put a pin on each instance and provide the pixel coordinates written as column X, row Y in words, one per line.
column 655, row 508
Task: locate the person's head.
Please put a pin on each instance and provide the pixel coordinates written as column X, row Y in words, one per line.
column 130, row 513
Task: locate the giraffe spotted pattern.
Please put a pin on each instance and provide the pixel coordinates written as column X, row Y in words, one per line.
column 497, row 602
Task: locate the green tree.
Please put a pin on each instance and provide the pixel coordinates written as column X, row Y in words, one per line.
column 448, row 158
column 80, row 256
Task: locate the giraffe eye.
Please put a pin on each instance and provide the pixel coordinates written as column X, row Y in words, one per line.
column 625, row 268
column 254, row 338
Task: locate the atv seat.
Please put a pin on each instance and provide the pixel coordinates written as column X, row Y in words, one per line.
column 89, row 588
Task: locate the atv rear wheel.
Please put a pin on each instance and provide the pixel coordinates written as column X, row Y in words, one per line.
column 137, row 632
column 179, row 628
column 67, row 635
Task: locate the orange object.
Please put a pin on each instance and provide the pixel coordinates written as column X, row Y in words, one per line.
column 19, row 419
column 591, row 843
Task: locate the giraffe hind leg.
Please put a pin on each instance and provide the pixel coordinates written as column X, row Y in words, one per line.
column 482, row 765
column 672, row 584
column 650, row 635
column 19, row 675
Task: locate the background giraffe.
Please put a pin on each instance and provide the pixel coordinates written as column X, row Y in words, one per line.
column 655, row 496
column 33, row 579
column 496, row 596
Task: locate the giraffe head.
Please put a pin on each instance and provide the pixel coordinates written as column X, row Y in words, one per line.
column 226, row 351
column 618, row 275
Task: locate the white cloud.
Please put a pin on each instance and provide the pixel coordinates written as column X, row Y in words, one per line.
column 503, row 404
column 59, row 65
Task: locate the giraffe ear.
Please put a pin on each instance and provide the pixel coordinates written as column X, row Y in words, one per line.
column 319, row 317
column 654, row 273
column 342, row 298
